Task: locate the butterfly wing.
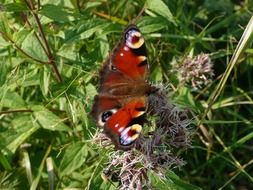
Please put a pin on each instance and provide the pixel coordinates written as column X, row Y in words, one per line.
column 123, row 90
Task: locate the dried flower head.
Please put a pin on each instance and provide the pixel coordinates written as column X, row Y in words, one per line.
column 156, row 150
column 197, row 70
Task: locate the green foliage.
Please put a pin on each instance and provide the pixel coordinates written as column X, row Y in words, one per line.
column 50, row 55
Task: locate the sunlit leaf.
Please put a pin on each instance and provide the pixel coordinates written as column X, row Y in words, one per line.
column 22, row 128
column 85, row 30
column 31, row 45
column 56, row 13
column 3, row 72
column 48, row 120
column 152, row 24
column 15, row 7
column 159, row 7
column 74, row 156
column 11, row 100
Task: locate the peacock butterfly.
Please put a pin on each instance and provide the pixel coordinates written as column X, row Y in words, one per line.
column 121, row 102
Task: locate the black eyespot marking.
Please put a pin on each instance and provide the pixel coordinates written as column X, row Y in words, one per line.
column 143, row 63
column 113, row 68
column 106, row 115
column 140, row 51
column 138, row 120
column 140, row 109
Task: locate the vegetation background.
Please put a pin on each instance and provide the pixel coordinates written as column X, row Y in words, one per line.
column 50, row 55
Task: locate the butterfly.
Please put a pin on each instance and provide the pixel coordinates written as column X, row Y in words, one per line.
column 121, row 103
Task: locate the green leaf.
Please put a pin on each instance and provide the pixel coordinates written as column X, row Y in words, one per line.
column 4, row 161
column 90, row 90
column 11, row 100
column 45, row 81
column 152, row 24
column 172, row 181
column 3, row 72
column 180, row 184
column 90, row 5
column 5, row 31
column 15, row 7
column 30, row 79
column 68, row 52
column 185, row 97
column 74, row 157
column 56, row 13
column 159, row 7
column 157, row 74
column 31, row 45
column 23, row 127
column 20, row 36
column 48, row 120
column 104, row 46
column 160, row 183
column 85, row 30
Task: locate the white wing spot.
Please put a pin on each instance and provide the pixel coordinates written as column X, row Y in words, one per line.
column 126, row 48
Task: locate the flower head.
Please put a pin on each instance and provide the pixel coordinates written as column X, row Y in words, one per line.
column 197, row 70
column 156, row 150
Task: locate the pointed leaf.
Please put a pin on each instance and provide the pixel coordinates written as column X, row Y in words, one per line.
column 32, row 46
column 73, row 158
column 23, row 127
column 48, row 120
column 56, row 13
column 159, row 7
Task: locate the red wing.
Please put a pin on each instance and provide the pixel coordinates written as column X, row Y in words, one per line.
column 103, row 108
column 123, row 90
column 122, row 127
column 128, row 61
column 122, row 123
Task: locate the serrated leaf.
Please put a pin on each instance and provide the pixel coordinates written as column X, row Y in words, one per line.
column 48, row 120
column 67, row 51
column 84, row 30
column 32, row 46
column 23, row 127
column 73, row 158
column 11, row 100
column 152, row 24
column 159, row 7
column 21, row 35
column 15, row 7
column 56, row 13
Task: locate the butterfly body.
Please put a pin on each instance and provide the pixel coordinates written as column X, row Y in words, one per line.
column 122, row 95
